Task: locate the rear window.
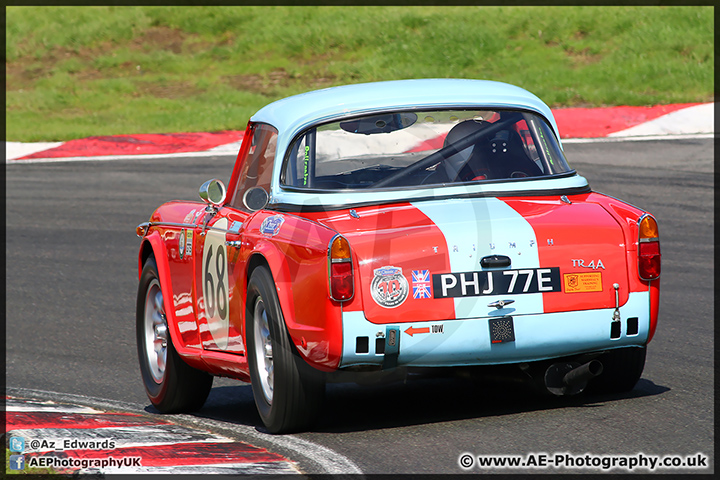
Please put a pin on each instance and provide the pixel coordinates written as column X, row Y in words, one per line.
column 422, row 148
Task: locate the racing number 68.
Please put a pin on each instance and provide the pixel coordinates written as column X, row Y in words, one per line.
column 215, row 296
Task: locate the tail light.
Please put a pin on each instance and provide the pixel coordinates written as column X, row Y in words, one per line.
column 340, row 271
column 648, row 248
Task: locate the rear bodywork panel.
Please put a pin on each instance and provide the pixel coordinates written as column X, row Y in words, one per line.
column 419, row 272
column 565, row 259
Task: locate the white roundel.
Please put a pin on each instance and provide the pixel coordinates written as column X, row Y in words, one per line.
column 181, row 244
column 215, row 283
column 389, row 288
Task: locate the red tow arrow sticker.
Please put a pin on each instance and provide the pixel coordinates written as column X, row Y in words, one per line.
column 412, row 330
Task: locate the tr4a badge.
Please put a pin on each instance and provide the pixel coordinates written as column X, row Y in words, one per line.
column 389, row 288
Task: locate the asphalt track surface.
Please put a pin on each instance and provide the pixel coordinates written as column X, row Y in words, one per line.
column 71, row 286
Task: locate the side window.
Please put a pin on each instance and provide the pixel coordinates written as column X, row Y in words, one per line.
column 300, row 168
column 523, row 130
column 546, row 145
column 258, row 166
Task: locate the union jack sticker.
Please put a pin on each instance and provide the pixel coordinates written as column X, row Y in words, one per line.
column 421, row 284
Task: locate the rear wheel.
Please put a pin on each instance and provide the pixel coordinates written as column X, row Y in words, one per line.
column 622, row 368
column 170, row 383
column 288, row 392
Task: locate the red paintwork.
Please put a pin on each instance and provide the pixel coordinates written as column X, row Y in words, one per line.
column 178, row 300
column 399, row 235
column 242, row 155
column 225, row 364
column 625, row 215
column 160, row 251
column 585, row 224
column 297, row 257
column 187, row 344
column 628, row 216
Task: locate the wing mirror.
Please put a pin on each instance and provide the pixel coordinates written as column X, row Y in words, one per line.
column 213, row 192
column 255, row 198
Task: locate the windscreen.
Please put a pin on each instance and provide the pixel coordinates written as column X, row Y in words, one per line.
column 423, row 148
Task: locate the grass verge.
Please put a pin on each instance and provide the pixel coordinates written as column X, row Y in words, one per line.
column 74, row 72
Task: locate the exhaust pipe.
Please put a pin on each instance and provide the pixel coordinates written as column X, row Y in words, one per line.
column 570, row 378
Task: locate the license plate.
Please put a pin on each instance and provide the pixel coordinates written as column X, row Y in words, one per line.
column 497, row 282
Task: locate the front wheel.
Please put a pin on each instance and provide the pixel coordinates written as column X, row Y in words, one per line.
column 171, row 384
column 288, row 392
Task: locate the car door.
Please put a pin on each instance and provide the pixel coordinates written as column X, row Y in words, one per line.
column 220, row 262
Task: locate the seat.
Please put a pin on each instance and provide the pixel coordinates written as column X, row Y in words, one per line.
column 457, row 165
column 503, row 156
column 507, row 157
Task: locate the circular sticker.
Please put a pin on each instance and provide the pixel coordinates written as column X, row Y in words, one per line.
column 389, row 288
column 181, row 244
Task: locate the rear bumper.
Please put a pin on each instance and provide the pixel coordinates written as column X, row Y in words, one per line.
column 468, row 342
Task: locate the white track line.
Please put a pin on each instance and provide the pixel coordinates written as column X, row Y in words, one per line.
column 333, row 463
column 20, row 149
column 106, row 158
column 326, row 460
column 12, row 405
column 639, row 138
column 690, row 120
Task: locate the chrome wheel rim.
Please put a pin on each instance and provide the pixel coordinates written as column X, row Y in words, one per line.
column 263, row 350
column 156, row 334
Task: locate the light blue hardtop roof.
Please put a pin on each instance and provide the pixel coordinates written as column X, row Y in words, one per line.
column 292, row 114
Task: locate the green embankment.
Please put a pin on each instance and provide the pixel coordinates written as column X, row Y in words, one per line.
column 74, row 72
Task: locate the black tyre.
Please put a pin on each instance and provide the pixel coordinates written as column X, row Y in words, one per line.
column 171, row 384
column 288, row 392
column 622, row 368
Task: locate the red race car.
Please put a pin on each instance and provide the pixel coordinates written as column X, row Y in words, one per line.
column 386, row 226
